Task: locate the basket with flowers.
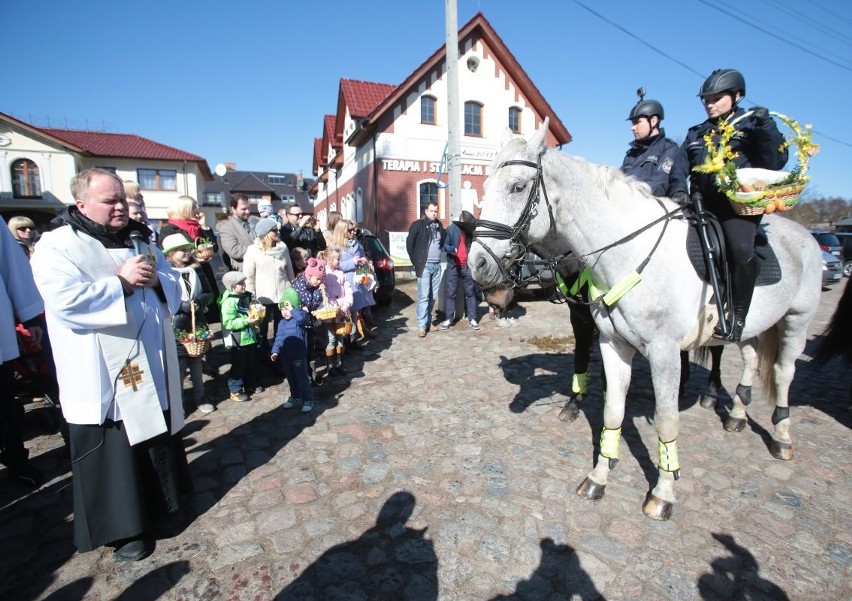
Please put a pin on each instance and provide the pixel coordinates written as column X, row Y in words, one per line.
column 755, row 191
column 204, row 249
column 197, row 340
column 256, row 311
column 328, row 310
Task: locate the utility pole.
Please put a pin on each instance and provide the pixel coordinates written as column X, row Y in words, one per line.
column 453, row 110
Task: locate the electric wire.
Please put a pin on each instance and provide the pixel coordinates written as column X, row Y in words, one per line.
column 684, row 65
column 797, row 14
column 731, row 12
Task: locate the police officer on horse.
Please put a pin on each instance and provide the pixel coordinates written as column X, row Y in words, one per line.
column 757, row 143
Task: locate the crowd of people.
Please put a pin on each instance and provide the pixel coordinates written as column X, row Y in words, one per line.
column 136, row 307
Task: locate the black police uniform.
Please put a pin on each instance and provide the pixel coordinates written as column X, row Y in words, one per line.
column 660, row 163
column 757, row 143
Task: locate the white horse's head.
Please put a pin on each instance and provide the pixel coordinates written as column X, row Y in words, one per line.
column 515, row 214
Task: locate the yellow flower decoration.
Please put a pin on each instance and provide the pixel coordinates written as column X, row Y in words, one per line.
column 720, row 161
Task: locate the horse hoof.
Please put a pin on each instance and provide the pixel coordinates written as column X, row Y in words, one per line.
column 781, row 450
column 570, row 412
column 591, row 490
column 734, row 424
column 656, row 508
column 707, row 402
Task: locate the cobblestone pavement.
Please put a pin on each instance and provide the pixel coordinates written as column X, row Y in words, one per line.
column 437, row 469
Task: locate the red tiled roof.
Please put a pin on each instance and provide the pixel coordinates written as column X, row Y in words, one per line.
column 362, row 97
column 329, row 135
column 118, row 145
column 317, row 155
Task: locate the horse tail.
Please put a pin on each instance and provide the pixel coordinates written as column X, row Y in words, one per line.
column 836, row 340
column 768, row 350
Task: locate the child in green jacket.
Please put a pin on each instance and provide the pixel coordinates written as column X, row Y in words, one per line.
column 240, row 334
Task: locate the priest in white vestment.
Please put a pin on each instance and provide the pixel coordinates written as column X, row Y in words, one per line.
column 108, row 303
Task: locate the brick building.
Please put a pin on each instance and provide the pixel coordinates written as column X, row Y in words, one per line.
column 380, row 157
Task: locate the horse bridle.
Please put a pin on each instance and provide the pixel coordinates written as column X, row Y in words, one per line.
column 516, row 234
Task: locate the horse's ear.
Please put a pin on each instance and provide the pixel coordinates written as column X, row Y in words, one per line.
column 536, row 142
column 507, row 137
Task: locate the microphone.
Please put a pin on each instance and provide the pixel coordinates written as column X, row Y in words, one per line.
column 136, row 239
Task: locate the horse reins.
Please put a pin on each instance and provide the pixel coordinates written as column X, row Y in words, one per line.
column 516, row 234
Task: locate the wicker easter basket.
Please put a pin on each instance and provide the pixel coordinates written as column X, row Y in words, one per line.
column 342, row 328
column 203, row 249
column 327, row 311
column 195, row 346
column 753, row 191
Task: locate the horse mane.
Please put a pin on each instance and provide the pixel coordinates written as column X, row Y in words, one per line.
column 610, row 181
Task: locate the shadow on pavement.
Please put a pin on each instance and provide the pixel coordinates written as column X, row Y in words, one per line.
column 388, row 561
column 736, row 576
column 558, row 576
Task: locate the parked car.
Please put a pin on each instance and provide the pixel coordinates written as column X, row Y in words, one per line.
column 829, row 243
column 382, row 264
column 846, row 240
column 832, row 269
column 542, row 286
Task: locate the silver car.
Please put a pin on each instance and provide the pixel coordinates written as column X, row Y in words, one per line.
column 832, row 269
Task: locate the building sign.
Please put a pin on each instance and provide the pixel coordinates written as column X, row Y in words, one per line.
column 431, row 167
column 397, row 249
column 478, row 154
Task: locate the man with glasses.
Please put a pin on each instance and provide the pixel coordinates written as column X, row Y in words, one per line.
column 301, row 230
column 237, row 233
column 425, row 238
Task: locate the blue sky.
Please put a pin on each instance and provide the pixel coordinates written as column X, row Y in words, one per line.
column 249, row 81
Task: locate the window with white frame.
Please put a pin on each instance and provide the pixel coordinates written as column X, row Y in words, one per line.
column 472, row 119
column 157, row 179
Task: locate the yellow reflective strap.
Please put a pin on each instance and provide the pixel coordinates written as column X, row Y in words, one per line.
column 579, row 383
column 609, row 442
column 668, row 456
column 560, row 283
column 625, row 285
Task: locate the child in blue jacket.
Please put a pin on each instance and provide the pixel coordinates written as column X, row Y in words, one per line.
column 291, row 346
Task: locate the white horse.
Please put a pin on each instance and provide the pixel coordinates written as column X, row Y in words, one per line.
column 650, row 298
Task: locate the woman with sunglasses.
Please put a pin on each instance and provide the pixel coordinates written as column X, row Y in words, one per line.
column 23, row 230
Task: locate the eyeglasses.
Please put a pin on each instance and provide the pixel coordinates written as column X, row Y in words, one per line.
column 352, row 229
column 295, row 214
column 26, row 228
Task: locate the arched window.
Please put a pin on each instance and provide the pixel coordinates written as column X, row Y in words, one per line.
column 26, row 182
column 515, row 119
column 428, row 193
column 427, row 110
column 472, row 119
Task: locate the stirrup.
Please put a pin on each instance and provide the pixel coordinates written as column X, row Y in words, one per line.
column 735, row 332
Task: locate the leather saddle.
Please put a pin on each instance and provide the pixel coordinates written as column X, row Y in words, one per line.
column 768, row 268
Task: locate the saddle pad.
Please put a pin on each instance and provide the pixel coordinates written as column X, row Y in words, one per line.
column 768, row 269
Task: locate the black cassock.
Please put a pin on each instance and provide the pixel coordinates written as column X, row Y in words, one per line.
column 121, row 491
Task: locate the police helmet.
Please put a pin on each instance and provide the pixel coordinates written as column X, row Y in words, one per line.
column 723, row 80
column 646, row 108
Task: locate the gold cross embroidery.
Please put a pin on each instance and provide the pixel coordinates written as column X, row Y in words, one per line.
column 131, row 375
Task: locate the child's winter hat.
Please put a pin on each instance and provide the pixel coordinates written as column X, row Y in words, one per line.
column 230, row 279
column 315, row 268
column 289, row 296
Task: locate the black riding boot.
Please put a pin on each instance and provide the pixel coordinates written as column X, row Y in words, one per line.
column 742, row 282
